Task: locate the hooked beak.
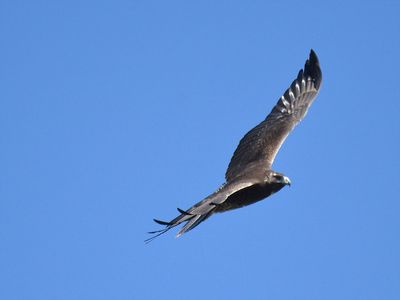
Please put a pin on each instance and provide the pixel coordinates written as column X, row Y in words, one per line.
column 286, row 180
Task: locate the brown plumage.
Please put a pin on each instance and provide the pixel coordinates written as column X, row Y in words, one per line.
column 249, row 177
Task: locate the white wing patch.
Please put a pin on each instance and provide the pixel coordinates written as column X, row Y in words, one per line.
column 288, row 105
column 297, row 88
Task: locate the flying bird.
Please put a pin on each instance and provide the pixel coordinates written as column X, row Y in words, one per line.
column 250, row 177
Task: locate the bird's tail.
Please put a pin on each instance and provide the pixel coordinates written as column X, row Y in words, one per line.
column 193, row 216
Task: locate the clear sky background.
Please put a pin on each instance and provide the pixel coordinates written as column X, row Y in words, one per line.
column 117, row 112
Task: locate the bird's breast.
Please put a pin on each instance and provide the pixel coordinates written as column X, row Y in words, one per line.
column 249, row 195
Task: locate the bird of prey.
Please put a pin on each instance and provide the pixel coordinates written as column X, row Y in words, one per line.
column 249, row 177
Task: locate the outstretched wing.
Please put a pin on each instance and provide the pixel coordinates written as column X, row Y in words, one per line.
column 261, row 144
column 201, row 210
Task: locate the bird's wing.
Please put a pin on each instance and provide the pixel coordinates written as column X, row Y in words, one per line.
column 201, row 210
column 261, row 144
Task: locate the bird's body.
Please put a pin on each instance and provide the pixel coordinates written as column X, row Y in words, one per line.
column 249, row 177
column 258, row 190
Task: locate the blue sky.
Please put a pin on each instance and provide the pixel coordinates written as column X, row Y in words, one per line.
column 117, row 112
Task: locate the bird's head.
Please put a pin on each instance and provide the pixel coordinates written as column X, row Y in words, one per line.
column 279, row 179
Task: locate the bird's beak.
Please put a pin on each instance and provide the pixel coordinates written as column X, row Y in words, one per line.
column 287, row 180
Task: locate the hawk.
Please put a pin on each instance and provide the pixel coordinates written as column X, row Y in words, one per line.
column 250, row 177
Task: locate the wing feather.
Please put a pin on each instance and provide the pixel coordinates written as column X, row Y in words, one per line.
column 261, row 144
column 200, row 211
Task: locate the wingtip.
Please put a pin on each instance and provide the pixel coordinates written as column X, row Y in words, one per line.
column 180, row 232
column 313, row 69
column 312, row 53
column 162, row 222
column 313, row 58
column 183, row 212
